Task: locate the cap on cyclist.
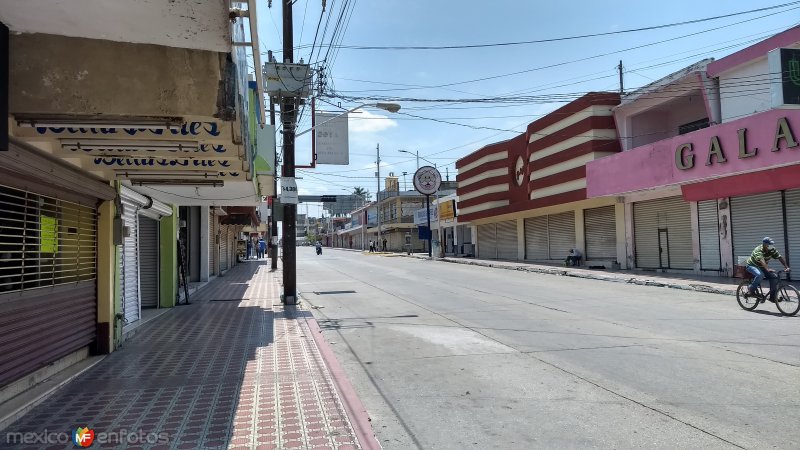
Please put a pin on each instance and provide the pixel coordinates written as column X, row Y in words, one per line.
column 758, row 265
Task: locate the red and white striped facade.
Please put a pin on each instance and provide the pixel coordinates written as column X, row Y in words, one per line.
column 545, row 166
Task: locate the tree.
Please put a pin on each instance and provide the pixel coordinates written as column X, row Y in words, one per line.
column 361, row 192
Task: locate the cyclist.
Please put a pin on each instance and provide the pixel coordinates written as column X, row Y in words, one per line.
column 757, row 265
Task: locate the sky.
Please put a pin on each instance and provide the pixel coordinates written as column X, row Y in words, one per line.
column 495, row 82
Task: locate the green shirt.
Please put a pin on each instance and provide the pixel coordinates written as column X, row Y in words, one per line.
column 759, row 254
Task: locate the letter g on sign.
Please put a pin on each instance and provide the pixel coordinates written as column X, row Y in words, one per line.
column 684, row 157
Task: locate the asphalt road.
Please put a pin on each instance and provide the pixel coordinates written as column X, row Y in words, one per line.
column 452, row 356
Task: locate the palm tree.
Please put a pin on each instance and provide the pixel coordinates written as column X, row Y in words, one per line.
column 362, row 193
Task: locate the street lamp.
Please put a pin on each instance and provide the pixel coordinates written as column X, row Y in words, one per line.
column 391, row 107
column 410, row 153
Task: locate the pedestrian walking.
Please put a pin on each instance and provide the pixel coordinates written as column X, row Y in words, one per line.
column 262, row 248
column 371, row 246
column 384, row 244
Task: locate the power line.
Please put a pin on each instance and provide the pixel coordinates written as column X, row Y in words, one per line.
column 564, row 38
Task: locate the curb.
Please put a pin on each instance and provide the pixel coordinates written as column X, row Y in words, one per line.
column 590, row 276
column 359, row 418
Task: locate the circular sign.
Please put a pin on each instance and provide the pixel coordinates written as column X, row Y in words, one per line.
column 427, row 180
column 519, row 171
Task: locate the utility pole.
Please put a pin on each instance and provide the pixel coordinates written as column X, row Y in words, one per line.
column 378, row 193
column 273, row 224
column 621, row 86
column 447, row 170
column 288, row 117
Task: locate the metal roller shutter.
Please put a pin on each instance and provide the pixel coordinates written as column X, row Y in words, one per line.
column 600, row 225
column 148, row 262
column 645, row 229
column 679, row 227
column 223, row 248
column 507, row 240
column 561, row 232
column 536, row 246
column 213, row 245
column 48, row 271
column 129, row 263
column 487, row 241
column 793, row 229
column 754, row 217
column 663, row 234
column 708, row 226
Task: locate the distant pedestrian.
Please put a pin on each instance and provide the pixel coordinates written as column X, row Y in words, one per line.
column 249, row 249
column 574, row 257
column 262, row 248
column 371, row 246
column 384, row 244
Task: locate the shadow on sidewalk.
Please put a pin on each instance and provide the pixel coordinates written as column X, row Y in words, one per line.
column 176, row 384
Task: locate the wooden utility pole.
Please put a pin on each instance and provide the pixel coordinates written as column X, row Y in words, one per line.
column 621, row 86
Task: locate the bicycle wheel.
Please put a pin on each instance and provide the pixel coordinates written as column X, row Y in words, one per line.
column 788, row 300
column 749, row 302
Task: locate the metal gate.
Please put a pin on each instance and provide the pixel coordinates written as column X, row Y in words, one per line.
column 600, row 226
column 708, row 233
column 663, row 234
column 223, row 248
column 213, row 242
column 754, row 217
column 536, row 246
column 507, row 240
column 148, row 261
column 129, row 262
column 793, row 229
column 561, row 233
column 487, row 241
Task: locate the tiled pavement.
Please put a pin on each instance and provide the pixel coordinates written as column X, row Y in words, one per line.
column 235, row 369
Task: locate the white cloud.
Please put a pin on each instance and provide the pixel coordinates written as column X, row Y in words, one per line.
column 366, row 122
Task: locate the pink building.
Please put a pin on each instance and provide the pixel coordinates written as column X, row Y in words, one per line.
column 710, row 162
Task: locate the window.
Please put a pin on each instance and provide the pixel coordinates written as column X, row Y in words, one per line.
column 44, row 241
column 693, row 126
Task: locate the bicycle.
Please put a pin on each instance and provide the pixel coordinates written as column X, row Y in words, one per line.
column 787, row 300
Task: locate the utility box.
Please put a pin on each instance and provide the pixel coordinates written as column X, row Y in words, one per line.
column 288, row 80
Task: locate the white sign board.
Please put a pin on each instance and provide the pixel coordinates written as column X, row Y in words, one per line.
column 427, row 180
column 288, row 191
column 420, row 219
column 331, row 139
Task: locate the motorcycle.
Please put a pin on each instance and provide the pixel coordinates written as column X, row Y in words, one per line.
column 319, row 249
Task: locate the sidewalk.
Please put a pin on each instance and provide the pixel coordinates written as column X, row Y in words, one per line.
column 235, row 369
column 710, row 284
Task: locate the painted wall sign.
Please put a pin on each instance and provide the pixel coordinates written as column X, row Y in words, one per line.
column 162, row 162
column 211, row 149
column 198, row 128
column 685, row 153
column 758, row 142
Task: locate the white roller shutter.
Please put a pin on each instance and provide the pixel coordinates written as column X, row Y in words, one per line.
column 793, row 229
column 561, row 231
column 487, row 241
column 213, row 243
column 536, row 246
column 129, row 263
column 754, row 217
column 600, row 225
column 148, row 261
column 645, row 229
column 507, row 240
column 708, row 226
column 223, row 248
column 679, row 229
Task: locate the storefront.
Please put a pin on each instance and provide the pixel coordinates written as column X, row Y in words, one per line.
column 527, row 195
column 662, row 231
column 48, row 260
column 139, row 260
